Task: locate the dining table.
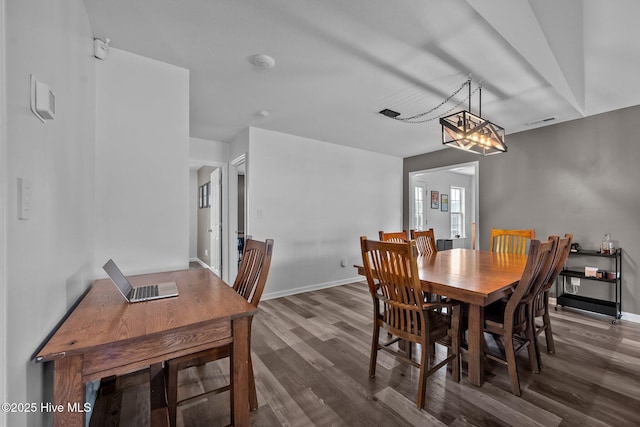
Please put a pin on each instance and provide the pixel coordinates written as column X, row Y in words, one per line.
column 476, row 278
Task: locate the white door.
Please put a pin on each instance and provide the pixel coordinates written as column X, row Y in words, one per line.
column 216, row 223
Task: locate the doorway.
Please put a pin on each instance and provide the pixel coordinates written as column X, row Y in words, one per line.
column 446, row 199
column 238, row 208
column 209, row 219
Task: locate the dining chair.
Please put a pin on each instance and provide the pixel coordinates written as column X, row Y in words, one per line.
column 425, row 241
column 510, row 241
column 541, row 302
column 395, row 236
column 511, row 321
column 398, row 307
column 249, row 283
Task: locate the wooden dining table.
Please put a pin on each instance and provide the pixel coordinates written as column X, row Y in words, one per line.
column 105, row 336
column 477, row 278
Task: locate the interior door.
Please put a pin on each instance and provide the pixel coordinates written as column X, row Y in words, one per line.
column 216, row 223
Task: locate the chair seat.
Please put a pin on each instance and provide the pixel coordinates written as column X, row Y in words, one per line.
column 494, row 319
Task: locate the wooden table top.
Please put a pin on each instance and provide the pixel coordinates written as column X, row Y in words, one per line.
column 104, row 317
column 478, row 277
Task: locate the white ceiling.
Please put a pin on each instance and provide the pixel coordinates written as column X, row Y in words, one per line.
column 339, row 62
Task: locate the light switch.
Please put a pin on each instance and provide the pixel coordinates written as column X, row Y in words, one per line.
column 24, row 198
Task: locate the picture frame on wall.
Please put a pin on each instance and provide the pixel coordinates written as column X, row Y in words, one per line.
column 435, row 200
column 444, row 203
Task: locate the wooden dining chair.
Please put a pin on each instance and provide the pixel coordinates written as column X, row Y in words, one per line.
column 541, row 302
column 510, row 241
column 398, row 306
column 395, row 236
column 511, row 321
column 250, row 282
column 425, row 241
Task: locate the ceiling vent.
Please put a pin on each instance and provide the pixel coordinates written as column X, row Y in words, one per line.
column 542, row 121
column 389, row 113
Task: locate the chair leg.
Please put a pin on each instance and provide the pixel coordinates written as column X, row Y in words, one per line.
column 455, row 343
column 171, row 379
column 511, row 364
column 534, row 352
column 548, row 333
column 374, row 349
column 422, row 381
column 253, row 396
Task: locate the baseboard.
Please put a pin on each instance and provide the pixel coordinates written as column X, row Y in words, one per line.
column 199, row 261
column 630, row 317
column 309, row 288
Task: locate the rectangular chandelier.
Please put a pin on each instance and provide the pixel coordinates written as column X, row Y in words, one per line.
column 466, row 131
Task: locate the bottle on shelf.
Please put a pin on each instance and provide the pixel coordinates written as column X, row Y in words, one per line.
column 606, row 247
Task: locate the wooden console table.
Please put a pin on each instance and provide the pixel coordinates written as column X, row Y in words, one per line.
column 105, row 336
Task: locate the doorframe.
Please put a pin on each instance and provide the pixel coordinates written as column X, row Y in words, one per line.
column 217, row 207
column 234, row 167
column 198, row 163
column 475, row 187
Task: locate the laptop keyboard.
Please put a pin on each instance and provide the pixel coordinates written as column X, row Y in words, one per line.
column 144, row 292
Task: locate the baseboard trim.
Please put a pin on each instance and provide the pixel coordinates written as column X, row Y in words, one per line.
column 630, row 317
column 309, row 288
column 199, row 261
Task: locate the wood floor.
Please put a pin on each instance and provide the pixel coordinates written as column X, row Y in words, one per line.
column 311, row 355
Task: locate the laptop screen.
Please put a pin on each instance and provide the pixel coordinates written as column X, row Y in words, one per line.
column 118, row 278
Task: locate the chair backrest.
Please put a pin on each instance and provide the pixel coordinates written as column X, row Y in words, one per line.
column 253, row 270
column 536, row 271
column 395, row 236
column 510, row 241
column 562, row 252
column 425, row 241
column 392, row 275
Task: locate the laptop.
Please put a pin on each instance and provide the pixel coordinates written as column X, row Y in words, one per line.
column 139, row 293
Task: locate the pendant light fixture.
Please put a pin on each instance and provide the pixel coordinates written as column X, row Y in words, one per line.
column 466, row 131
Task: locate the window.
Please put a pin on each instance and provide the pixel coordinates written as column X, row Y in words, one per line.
column 456, row 209
column 205, row 196
column 419, row 190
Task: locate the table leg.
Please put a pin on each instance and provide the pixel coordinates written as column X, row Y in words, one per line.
column 68, row 392
column 159, row 413
column 240, row 372
column 476, row 352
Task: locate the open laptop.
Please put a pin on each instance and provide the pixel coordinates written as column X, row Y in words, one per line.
column 139, row 293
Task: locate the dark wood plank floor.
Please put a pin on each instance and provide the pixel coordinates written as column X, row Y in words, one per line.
column 311, row 355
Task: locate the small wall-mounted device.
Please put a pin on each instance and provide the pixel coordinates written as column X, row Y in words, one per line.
column 43, row 100
column 100, row 48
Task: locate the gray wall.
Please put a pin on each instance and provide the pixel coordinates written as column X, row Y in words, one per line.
column 578, row 177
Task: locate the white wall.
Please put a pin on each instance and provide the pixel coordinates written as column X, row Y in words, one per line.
column 202, row 151
column 316, row 199
column 49, row 256
column 142, row 164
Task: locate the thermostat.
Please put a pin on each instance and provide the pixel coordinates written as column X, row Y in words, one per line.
column 43, row 100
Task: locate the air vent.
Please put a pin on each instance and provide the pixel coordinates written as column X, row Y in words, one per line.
column 542, row 121
column 389, row 113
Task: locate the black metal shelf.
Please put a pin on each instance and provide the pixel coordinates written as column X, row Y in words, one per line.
column 581, row 275
column 610, row 308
